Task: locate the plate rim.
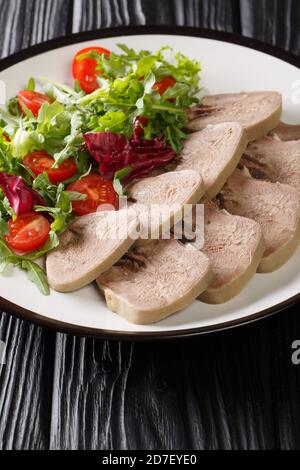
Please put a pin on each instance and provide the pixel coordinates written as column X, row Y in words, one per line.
column 70, row 39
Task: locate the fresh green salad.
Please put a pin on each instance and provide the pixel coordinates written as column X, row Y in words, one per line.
column 66, row 151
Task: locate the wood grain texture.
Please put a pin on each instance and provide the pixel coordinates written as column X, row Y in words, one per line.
column 26, row 385
column 273, row 21
column 27, row 22
column 214, row 14
column 234, row 390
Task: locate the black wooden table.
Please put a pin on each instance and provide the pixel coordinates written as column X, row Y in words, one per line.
column 232, row 390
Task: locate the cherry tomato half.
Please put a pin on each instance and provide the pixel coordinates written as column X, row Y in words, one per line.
column 84, row 70
column 98, row 191
column 164, row 84
column 40, row 162
column 28, row 232
column 33, row 100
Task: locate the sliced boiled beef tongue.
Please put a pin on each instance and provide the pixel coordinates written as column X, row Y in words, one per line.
column 286, row 132
column 274, row 160
column 258, row 112
column 215, row 153
column 161, row 200
column 235, row 247
column 274, row 206
column 90, row 246
column 155, row 280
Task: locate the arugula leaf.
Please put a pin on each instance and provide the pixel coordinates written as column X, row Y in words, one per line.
column 117, row 179
column 13, row 107
column 4, row 229
column 37, row 275
column 31, row 84
column 5, row 252
column 8, row 162
column 60, row 202
column 145, row 65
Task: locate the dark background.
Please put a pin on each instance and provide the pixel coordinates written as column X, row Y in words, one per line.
column 232, row 390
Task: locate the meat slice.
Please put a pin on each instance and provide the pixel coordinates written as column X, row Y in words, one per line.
column 160, row 200
column 184, row 187
column 274, row 160
column 90, row 246
column 235, row 247
column 274, row 206
column 287, row 132
column 155, row 280
column 258, row 112
column 94, row 243
column 214, row 152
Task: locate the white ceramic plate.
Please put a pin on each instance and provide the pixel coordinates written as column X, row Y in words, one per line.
column 230, row 64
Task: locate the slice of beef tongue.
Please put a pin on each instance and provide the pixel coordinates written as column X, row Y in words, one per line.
column 235, row 247
column 286, row 132
column 94, row 243
column 214, row 153
column 274, row 160
column 155, row 280
column 274, row 206
column 258, row 112
column 90, row 246
column 160, row 201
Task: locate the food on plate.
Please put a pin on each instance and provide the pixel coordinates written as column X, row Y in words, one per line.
column 215, row 153
column 274, row 160
column 286, row 132
column 85, row 68
column 275, row 206
column 32, row 101
column 235, row 247
column 98, row 192
column 154, row 280
column 94, row 176
column 161, row 200
column 28, row 232
column 41, row 162
column 174, row 188
column 258, row 112
column 70, row 150
column 90, row 246
column 138, row 157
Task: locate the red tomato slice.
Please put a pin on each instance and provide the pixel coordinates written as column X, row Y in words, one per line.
column 98, row 191
column 33, row 100
column 28, row 232
column 40, row 162
column 164, row 84
column 84, row 70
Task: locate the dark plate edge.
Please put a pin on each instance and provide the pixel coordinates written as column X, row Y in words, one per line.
column 129, row 31
column 83, row 331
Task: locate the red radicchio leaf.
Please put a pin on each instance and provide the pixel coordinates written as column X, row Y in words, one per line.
column 21, row 198
column 114, row 152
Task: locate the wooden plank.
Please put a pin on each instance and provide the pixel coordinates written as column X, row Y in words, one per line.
column 235, row 390
column 26, row 379
column 273, row 21
column 26, row 385
column 215, row 14
column 28, row 22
